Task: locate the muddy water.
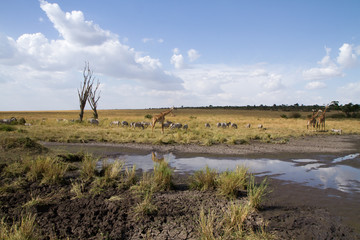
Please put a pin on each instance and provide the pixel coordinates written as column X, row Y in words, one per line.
column 338, row 173
column 326, row 181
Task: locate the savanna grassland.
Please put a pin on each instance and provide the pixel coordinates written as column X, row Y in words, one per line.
column 278, row 127
column 46, row 194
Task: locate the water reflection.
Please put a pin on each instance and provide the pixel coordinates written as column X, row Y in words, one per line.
column 309, row 172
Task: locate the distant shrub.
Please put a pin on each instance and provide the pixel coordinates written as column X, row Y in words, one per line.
column 149, row 116
column 295, row 115
column 22, row 121
column 283, row 116
column 7, row 128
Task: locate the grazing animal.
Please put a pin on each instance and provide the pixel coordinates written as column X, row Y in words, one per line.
column 207, row 125
column 167, row 124
column 146, row 124
column 218, row 125
column 337, row 130
column 124, row 123
column 94, row 121
column 248, row 125
column 260, row 126
column 137, row 124
column 161, row 118
column 175, row 125
column 115, row 123
column 234, row 125
column 185, row 127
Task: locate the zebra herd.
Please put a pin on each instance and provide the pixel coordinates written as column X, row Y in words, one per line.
column 230, row 124
column 144, row 125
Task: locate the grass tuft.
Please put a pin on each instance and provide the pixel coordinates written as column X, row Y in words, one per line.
column 203, row 179
column 229, row 183
column 162, row 178
column 24, row 230
column 206, row 225
column 49, row 170
column 256, row 193
column 88, row 167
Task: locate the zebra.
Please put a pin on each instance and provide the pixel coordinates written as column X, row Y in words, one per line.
column 185, row 127
column 94, row 121
column 234, row 125
column 248, row 125
column 137, row 124
column 124, row 123
column 175, row 125
column 207, row 125
column 115, row 123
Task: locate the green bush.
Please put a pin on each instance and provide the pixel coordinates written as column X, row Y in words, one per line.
column 148, row 116
column 7, row 128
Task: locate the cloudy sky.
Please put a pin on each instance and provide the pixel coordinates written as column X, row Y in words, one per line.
column 179, row 53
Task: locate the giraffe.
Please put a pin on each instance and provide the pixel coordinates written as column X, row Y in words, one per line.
column 312, row 122
column 161, row 118
column 321, row 119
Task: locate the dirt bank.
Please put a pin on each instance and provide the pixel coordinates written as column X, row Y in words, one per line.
column 310, row 145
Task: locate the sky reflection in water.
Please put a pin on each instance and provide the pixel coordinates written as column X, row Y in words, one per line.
column 309, row 172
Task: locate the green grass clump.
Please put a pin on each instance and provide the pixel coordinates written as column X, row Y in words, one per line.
column 7, row 128
column 47, row 169
column 88, row 167
column 162, row 178
column 203, row 179
column 146, row 207
column 78, row 188
column 256, row 193
column 24, row 230
column 229, row 183
column 234, row 219
column 206, row 225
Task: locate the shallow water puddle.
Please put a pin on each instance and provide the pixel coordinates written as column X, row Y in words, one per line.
column 309, row 172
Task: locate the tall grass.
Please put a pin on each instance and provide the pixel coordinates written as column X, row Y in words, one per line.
column 229, row 183
column 204, row 179
column 46, row 169
column 88, row 167
column 162, row 178
column 234, row 220
column 24, row 230
column 146, row 207
column 206, row 225
column 256, row 193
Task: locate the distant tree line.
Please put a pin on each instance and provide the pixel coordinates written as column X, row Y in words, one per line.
column 349, row 110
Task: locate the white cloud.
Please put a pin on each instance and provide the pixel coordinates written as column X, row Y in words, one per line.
column 327, row 70
column 74, row 28
column 193, row 55
column 347, row 57
column 177, row 59
column 315, row 85
column 146, row 40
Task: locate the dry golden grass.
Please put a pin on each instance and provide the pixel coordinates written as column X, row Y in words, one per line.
column 46, row 127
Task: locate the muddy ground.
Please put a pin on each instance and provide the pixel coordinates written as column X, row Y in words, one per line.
column 102, row 217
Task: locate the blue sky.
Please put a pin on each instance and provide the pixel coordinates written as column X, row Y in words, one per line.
column 179, row 53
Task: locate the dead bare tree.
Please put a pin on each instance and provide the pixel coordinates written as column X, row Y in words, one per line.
column 93, row 99
column 85, row 89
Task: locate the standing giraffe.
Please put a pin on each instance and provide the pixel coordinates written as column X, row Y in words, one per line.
column 161, row 118
column 321, row 119
column 312, row 122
